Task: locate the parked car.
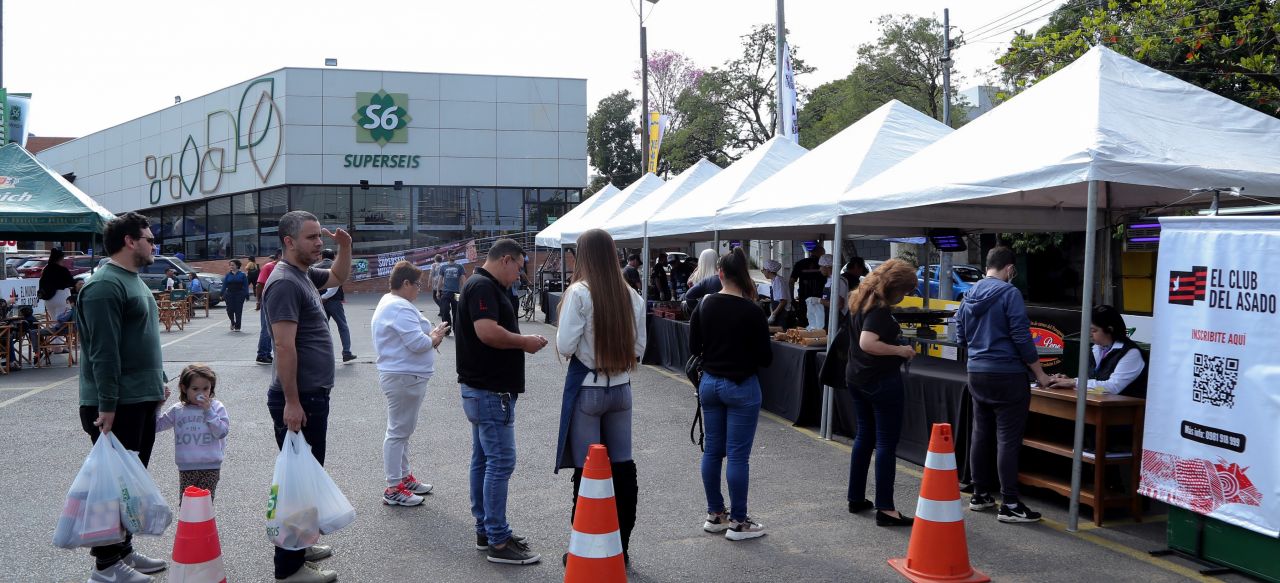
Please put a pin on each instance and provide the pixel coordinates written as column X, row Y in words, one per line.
column 153, row 275
column 33, row 268
column 962, row 278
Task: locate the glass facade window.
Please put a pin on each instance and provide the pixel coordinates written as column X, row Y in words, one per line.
column 441, row 215
column 194, row 230
column 382, row 220
column 510, row 207
column 219, row 210
column 330, row 204
column 273, row 203
column 482, row 212
column 171, row 229
column 244, row 224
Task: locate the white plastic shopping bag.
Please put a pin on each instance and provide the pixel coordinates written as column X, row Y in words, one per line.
column 816, row 313
column 142, row 507
column 91, row 514
column 304, row 502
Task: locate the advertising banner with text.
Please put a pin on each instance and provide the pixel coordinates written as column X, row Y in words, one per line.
column 1213, row 394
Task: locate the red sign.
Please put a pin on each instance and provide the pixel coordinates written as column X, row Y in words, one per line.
column 1049, row 343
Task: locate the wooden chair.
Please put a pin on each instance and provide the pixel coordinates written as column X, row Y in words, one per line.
column 5, row 342
column 57, row 338
column 173, row 309
column 199, row 300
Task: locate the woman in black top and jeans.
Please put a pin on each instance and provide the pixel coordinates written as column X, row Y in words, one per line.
column 874, row 380
column 729, row 331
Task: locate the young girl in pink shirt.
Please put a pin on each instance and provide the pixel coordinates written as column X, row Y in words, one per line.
column 200, row 425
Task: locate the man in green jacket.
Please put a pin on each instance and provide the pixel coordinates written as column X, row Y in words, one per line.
column 121, row 389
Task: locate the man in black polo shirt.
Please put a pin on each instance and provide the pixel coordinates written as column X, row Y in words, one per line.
column 491, row 372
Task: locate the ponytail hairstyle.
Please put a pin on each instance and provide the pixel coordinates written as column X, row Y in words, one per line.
column 734, row 267
column 885, row 286
column 611, row 297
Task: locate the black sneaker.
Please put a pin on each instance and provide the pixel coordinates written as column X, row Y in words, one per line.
column 265, row 360
column 1017, row 513
column 348, row 357
column 862, row 505
column 514, row 553
column 982, row 502
column 482, row 541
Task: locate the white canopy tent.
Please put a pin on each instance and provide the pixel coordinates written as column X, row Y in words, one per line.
column 693, row 218
column 606, row 209
column 628, row 225
column 1104, row 130
column 801, row 200
column 550, row 236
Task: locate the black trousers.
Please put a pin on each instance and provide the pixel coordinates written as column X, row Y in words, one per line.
column 235, row 311
column 1001, row 403
column 135, row 427
column 316, row 406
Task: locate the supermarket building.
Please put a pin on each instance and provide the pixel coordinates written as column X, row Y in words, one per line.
column 402, row 160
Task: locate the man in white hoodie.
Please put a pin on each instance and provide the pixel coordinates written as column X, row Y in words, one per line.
column 405, row 343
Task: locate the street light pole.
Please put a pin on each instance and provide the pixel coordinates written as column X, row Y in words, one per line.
column 644, row 93
column 780, row 42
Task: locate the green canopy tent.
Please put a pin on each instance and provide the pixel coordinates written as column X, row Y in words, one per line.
column 38, row 204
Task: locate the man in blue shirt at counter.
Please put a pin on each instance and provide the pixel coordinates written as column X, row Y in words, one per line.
column 992, row 323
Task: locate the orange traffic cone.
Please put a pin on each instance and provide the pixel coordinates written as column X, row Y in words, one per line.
column 938, row 550
column 197, row 554
column 595, row 546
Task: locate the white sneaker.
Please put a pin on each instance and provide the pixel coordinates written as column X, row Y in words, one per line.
column 412, row 484
column 311, row 573
column 397, row 495
column 119, row 573
column 144, row 564
column 718, row 522
column 744, row 530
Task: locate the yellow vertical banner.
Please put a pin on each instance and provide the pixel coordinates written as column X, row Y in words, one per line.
column 657, row 129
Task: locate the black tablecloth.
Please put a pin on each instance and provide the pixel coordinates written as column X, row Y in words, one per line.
column 550, row 304
column 668, row 343
column 789, row 387
column 937, row 391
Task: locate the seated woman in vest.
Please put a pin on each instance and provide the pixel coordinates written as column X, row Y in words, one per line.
column 1116, row 365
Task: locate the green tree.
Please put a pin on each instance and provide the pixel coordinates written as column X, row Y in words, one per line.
column 1230, row 47
column 750, row 89
column 611, row 140
column 706, row 131
column 904, row 63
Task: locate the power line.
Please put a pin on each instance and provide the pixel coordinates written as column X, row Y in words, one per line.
column 1035, row 4
column 1014, row 27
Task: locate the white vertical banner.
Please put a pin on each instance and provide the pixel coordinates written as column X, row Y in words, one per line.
column 790, row 113
column 18, row 113
column 1213, row 397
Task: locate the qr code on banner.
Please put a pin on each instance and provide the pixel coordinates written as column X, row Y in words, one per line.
column 1215, row 380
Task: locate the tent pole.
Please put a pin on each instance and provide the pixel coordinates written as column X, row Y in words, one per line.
column 1082, row 376
column 716, row 244
column 828, row 392
column 563, row 268
column 644, row 255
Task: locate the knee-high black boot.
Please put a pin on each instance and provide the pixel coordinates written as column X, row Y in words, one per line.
column 577, row 483
column 626, row 490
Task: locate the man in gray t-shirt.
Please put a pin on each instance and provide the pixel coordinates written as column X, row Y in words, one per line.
column 302, row 374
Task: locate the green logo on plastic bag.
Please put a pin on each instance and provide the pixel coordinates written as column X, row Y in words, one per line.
column 271, row 501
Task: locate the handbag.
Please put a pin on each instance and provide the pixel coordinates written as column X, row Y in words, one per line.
column 833, row 367
column 693, row 370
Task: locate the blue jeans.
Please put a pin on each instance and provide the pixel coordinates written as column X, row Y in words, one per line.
column 730, row 412
column 603, row 415
column 264, row 336
column 316, row 406
column 493, row 458
column 334, row 311
column 878, row 406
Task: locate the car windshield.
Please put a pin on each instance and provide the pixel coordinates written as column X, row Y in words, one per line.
column 968, row 274
column 182, row 265
column 35, row 263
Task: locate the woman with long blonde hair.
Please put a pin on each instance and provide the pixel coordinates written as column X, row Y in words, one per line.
column 874, row 380
column 601, row 331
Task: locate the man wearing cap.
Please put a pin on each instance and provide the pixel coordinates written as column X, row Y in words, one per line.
column 333, row 299
column 841, row 288
column 779, row 292
column 806, row 272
